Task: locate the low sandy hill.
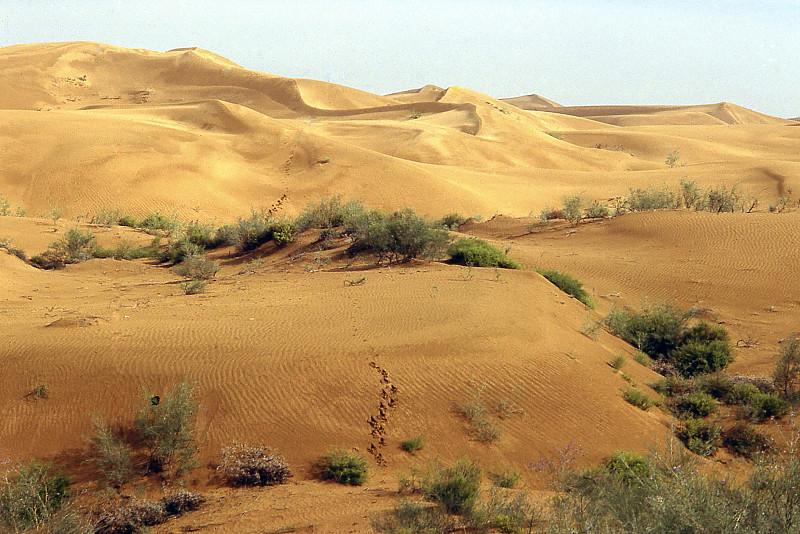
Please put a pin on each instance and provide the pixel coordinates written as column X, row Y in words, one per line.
column 428, row 93
column 532, row 102
column 742, row 267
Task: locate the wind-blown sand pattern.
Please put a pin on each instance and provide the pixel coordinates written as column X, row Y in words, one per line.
column 292, row 356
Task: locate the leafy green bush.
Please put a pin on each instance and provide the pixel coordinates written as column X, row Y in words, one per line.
column 652, row 199
column 720, row 199
column 597, row 211
column 717, row 385
column 763, row 406
column 110, row 453
column 202, row 235
column 127, row 220
column 479, row 253
column 179, row 249
column 569, row 285
column 282, row 232
column 166, row 427
column 410, row 517
column 637, row 398
column 31, row 495
column 693, row 405
column 401, row 236
column 74, row 246
column 413, row 444
column 628, row 467
column 743, row 439
column 691, row 197
column 508, row 512
column 506, row 477
column 247, row 234
column 455, row 487
column 703, row 349
column 700, row 436
column 107, row 217
column 343, row 467
column 787, row 369
column 157, row 223
column 617, row 362
column 329, row 212
column 451, row 221
column 197, row 267
column 245, row 465
column 742, row 393
column 475, row 411
column 573, row 208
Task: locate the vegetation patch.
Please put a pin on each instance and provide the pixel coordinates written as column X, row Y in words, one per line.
column 569, row 285
column 637, row 398
column 343, row 467
column 245, row 465
column 478, row 253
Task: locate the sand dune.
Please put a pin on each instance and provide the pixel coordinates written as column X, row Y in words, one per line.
column 532, row 102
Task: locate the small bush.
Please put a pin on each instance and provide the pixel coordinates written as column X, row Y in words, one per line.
column 549, row 214
column 127, row 220
column 787, row 369
column 110, row 453
column 128, row 517
column 507, row 512
column 18, row 252
column 411, row 517
column 413, row 444
column 193, row 287
column 166, row 427
column 30, row 495
column 197, row 267
column 451, row 221
column 743, row 439
column 475, row 411
column 717, row 385
column 180, row 501
column 701, row 437
column 628, row 467
column 107, row 217
column 505, row 478
column 652, row 199
column 282, row 232
column 742, row 393
column 455, row 488
column 74, row 246
column 693, row 405
column 401, row 236
column 703, row 349
column 720, row 199
column 617, row 362
column 245, row 465
column 691, row 197
column 329, row 212
column 479, row 253
column 637, row 398
column 763, row 406
column 569, row 285
column 597, row 211
column 642, row 359
column 573, row 208
column 202, row 235
column 343, row 467
column 180, row 249
column 157, row 223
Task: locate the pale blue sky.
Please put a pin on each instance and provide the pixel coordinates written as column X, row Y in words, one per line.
column 575, row 52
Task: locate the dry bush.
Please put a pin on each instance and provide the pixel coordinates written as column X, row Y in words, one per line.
column 180, row 501
column 246, row 465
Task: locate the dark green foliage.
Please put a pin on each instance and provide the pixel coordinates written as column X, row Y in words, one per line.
column 157, row 223
column 180, row 249
column 743, row 439
column 703, row 349
column 763, row 406
column 451, row 221
column 343, row 467
column 126, row 251
column 569, row 285
column 479, row 253
column 282, row 232
column 74, row 246
column 329, row 212
column 18, row 252
column 717, row 385
column 637, row 398
column 628, row 467
column 166, row 427
column 401, row 236
column 701, row 437
column 742, row 393
column 787, row 369
column 202, row 235
column 597, row 211
column 110, row 453
column 693, row 405
column 573, row 208
column 30, row 495
column 249, row 234
column 507, row 512
column 413, row 444
column 455, row 487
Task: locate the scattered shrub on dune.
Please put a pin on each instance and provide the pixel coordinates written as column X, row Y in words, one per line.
column 703, row 349
column 110, row 453
column 329, row 212
column 5, row 243
column 573, row 208
column 455, row 487
column 343, row 467
column 652, row 199
column 506, row 477
column 74, row 246
column 202, row 235
column 107, row 217
column 31, row 495
column 762, row 406
column 193, row 287
column 701, row 437
column 248, row 234
column 413, row 444
column 411, row 517
column 549, row 214
column 637, row 398
column 478, row 253
column 451, row 221
column 597, row 211
column 628, row 467
column 693, row 405
column 569, row 285
column 127, row 220
column 157, row 223
column 128, row 517
column 743, row 439
column 245, row 465
column 787, row 369
column 180, row 501
column 398, row 237
column 197, row 267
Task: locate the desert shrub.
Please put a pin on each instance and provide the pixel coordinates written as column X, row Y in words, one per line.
column 691, row 196
column 507, row 477
column 202, row 235
column 548, row 214
column 743, row 439
column 413, row 444
column 455, row 487
column 130, row 516
column 451, row 221
column 246, row 465
column 247, row 234
column 637, row 398
column 411, row 518
column 763, row 406
column 700, row 436
column 329, row 212
column 282, row 232
column 475, row 411
column 401, row 236
column 775, row 484
column 597, row 211
column 11, row 249
column 197, row 267
column 157, row 223
column 166, row 427
column 628, row 467
column 479, row 253
column 742, row 393
column 762, row 383
column 569, row 285
column 110, row 453
column 673, row 385
column 787, row 369
column 30, row 495
column 717, row 385
column 617, row 362
column 693, row 405
column 74, row 246
column 720, row 199
column 5, row 207
column 573, row 208
column 180, row 501
column 179, row 249
column 343, row 467
column 642, row 359
column 127, row 220
column 506, row 512
column 193, row 287
column 652, row 199
column 107, row 217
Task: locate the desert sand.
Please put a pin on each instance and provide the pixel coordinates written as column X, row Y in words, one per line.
column 288, row 354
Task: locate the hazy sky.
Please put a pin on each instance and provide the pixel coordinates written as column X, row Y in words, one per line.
column 572, row 51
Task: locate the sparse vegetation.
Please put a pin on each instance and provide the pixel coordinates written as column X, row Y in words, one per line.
column 693, row 405
column 637, row 398
column 787, row 369
column 193, row 287
column 398, row 237
column 743, row 439
column 652, row 199
column 343, row 467
column 329, row 212
column 197, row 266
column 75, row 246
column 475, row 411
column 573, row 208
column 413, row 444
column 700, row 436
column 246, row 465
column 617, row 362
column 569, row 285
column 478, row 253
column 506, row 477
column 5, row 243
column 455, row 488
column 761, row 406
column 451, row 221
column 31, row 495
column 110, row 453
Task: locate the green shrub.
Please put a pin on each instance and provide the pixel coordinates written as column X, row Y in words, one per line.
column 597, row 211
column 197, row 267
column 700, row 436
column 451, row 221
column 652, row 199
column 720, row 199
column 743, row 439
column 628, row 467
column 763, row 406
column 110, row 453
column 179, row 249
column 343, row 467
column 507, row 512
column 14, row 251
column 455, row 487
column 401, row 236
column 30, row 495
column 475, row 411
column 193, row 287
column 742, row 393
column 691, row 196
column 693, row 405
column 506, row 477
column 127, row 220
column 642, row 359
column 5, row 207
column 717, row 385
column 573, row 208
column 479, row 253
column 413, row 444
column 569, row 285
column 282, row 232
column 703, row 349
column 202, row 235
column 247, row 234
column 157, row 223
column 673, row 386
column 637, row 398
column 617, row 362
column 410, row 517
column 166, row 427
column 329, row 212
column 245, row 465
column 787, row 369
column 107, row 217
column 75, row 246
